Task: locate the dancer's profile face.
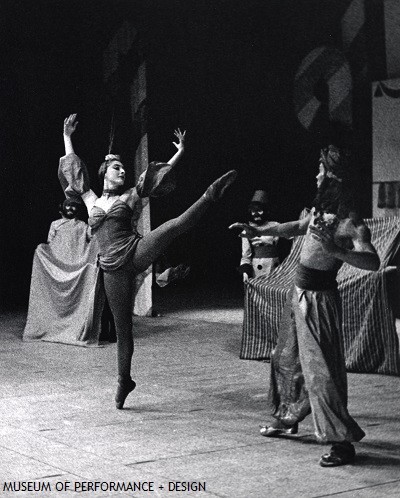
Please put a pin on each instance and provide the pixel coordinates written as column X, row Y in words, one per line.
column 321, row 174
column 115, row 174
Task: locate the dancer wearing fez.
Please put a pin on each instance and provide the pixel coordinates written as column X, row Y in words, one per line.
column 123, row 251
column 308, row 372
column 260, row 253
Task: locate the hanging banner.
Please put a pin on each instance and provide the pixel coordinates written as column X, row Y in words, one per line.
column 323, row 89
column 386, row 130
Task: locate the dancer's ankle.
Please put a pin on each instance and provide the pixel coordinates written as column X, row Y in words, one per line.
column 125, row 386
column 124, row 379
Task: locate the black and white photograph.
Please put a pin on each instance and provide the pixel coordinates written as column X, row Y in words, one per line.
column 200, row 251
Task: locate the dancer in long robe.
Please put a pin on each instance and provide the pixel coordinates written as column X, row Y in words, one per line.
column 66, row 299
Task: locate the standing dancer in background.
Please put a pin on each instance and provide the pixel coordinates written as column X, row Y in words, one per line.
column 259, row 254
column 124, row 252
column 64, row 304
column 308, row 373
column 69, row 210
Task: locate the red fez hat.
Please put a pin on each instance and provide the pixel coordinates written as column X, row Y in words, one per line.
column 260, row 196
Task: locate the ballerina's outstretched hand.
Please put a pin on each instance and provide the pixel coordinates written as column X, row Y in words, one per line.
column 70, row 124
column 181, row 139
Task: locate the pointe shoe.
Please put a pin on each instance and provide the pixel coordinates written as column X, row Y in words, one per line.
column 280, row 430
column 340, row 454
column 125, row 386
column 217, row 189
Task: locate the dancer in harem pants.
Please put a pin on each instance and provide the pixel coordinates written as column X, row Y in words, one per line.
column 307, row 367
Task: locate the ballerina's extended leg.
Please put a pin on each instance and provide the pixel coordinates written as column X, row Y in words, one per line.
column 155, row 243
column 149, row 248
column 217, row 189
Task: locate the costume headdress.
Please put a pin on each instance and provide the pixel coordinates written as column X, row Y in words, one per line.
column 335, row 161
column 72, row 200
column 260, row 196
column 335, row 196
column 112, row 157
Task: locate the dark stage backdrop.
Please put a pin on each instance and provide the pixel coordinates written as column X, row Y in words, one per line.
column 223, row 70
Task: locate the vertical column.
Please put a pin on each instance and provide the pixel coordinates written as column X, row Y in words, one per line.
column 391, row 21
column 354, row 40
column 363, row 42
column 125, row 72
column 143, row 299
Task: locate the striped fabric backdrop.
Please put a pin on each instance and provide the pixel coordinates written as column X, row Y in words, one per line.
column 370, row 339
column 265, row 298
column 369, row 331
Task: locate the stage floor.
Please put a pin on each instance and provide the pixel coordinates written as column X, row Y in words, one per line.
column 194, row 417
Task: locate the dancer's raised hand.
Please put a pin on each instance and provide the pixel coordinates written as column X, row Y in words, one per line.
column 70, row 124
column 181, row 139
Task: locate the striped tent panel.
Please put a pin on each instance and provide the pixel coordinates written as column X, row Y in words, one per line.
column 265, row 298
column 369, row 331
column 370, row 339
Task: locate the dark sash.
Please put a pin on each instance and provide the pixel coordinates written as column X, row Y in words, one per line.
column 267, row 251
column 315, row 280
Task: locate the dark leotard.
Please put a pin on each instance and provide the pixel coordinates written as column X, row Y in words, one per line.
column 115, row 235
